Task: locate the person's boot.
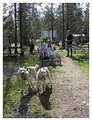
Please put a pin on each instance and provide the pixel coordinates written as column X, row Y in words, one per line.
column 67, row 56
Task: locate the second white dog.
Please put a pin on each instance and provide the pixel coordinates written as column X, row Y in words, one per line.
column 32, row 70
column 42, row 75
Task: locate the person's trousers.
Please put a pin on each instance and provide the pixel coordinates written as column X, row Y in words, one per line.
column 69, row 49
column 31, row 48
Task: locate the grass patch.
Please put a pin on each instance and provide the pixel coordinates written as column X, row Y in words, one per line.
column 51, row 68
column 82, row 59
column 84, row 65
column 29, row 61
column 64, row 52
column 11, row 94
column 23, row 62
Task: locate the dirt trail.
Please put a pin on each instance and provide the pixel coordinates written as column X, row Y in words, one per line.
column 72, row 91
column 69, row 98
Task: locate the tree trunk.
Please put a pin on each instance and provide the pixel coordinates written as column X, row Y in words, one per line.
column 67, row 18
column 63, row 37
column 21, row 35
column 52, row 19
column 15, row 30
column 60, row 22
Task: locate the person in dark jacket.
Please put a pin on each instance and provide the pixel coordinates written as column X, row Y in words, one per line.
column 69, row 39
column 31, row 43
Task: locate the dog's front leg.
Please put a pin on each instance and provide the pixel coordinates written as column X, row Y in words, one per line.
column 37, row 79
column 30, row 82
column 49, row 77
column 44, row 86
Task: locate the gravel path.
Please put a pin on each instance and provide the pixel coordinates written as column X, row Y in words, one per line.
column 72, row 91
column 68, row 99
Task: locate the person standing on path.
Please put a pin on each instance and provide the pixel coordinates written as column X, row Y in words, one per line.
column 69, row 39
column 31, row 42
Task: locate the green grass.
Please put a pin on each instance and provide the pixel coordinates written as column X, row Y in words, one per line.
column 84, row 65
column 80, row 58
column 64, row 52
column 11, row 94
column 27, row 62
column 32, row 61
